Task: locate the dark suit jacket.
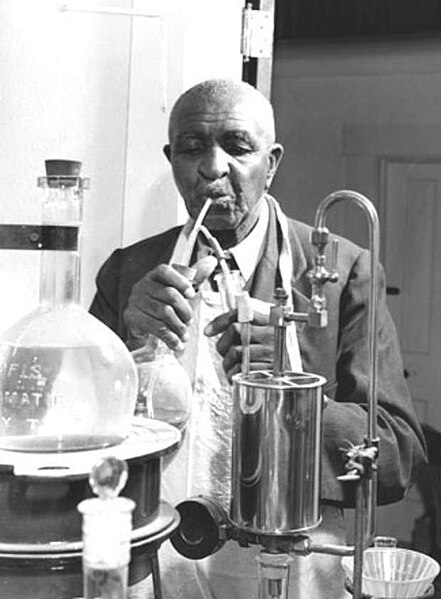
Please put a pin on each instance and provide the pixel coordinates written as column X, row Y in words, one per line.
column 338, row 352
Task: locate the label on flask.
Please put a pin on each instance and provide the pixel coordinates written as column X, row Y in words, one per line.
column 26, row 389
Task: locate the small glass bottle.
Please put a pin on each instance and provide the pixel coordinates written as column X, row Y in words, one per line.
column 67, row 382
column 107, row 526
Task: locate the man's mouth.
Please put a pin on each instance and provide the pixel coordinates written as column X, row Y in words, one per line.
column 221, row 203
column 220, row 200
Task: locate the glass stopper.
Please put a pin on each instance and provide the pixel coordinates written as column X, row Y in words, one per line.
column 108, row 477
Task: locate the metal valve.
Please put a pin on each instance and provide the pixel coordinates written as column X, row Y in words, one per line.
column 317, row 315
column 319, row 275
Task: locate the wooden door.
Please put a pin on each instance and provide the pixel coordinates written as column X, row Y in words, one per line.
column 411, row 240
column 412, row 255
column 410, row 223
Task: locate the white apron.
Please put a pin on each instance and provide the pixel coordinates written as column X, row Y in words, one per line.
column 201, row 466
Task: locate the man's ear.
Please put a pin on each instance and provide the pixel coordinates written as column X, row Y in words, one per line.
column 167, row 151
column 275, row 156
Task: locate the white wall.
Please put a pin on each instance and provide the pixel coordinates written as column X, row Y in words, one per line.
column 330, row 97
column 98, row 87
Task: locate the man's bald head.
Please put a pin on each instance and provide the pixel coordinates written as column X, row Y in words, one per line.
column 228, row 93
column 222, row 147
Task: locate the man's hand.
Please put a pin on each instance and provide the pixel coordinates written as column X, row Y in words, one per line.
column 229, row 343
column 159, row 304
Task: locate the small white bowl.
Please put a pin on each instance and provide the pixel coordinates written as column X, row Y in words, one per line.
column 394, row 572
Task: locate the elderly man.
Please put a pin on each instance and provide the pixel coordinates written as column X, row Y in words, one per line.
column 222, row 147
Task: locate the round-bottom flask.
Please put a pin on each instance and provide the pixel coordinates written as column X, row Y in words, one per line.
column 165, row 389
column 67, row 382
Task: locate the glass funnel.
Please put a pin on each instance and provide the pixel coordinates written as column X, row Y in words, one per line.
column 67, row 382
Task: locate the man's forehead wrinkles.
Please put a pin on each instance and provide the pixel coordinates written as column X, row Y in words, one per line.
column 222, row 125
column 213, row 112
column 221, row 119
column 201, row 132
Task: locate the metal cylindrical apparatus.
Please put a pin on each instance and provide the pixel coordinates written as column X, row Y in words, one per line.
column 276, row 452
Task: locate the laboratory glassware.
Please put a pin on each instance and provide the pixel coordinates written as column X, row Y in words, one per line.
column 67, row 382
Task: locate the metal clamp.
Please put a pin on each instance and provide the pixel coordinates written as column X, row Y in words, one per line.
column 360, row 461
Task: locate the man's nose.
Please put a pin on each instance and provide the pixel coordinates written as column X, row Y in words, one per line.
column 215, row 163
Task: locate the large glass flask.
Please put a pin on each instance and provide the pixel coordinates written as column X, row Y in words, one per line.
column 67, row 382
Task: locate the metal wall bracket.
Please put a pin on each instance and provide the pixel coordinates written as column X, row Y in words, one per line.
column 257, row 33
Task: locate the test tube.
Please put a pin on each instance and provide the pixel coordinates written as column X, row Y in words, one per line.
column 230, row 285
column 245, row 316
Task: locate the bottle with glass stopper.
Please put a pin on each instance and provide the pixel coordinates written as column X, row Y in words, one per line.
column 107, row 526
column 67, row 382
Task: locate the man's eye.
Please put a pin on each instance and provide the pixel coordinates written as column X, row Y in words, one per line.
column 190, row 148
column 237, row 149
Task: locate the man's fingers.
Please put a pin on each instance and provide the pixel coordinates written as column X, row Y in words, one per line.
column 157, row 303
column 151, row 298
column 220, row 323
column 261, row 358
column 229, row 340
column 167, row 276
column 260, row 337
column 138, row 322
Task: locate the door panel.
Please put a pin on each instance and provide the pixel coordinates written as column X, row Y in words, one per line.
column 410, row 222
column 412, row 236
